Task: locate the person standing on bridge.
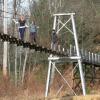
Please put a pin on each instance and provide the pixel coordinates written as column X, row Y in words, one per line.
column 22, row 26
column 33, row 32
column 54, row 40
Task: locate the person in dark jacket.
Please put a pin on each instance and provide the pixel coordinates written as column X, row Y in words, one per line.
column 54, row 40
column 22, row 26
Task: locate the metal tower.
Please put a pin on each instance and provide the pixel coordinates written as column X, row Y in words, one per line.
column 53, row 59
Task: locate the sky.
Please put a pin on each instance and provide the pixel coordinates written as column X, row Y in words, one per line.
column 24, row 4
column 25, row 7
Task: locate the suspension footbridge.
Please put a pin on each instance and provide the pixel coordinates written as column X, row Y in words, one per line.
column 73, row 54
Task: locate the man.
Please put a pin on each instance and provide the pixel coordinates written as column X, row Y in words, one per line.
column 54, row 40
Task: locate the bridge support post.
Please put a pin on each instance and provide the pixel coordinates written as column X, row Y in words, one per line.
column 78, row 55
column 48, row 78
column 57, row 17
column 5, row 73
column 52, row 68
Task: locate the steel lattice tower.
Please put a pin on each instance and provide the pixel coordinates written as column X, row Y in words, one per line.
column 53, row 59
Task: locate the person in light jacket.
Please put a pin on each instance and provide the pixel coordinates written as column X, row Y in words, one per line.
column 33, row 32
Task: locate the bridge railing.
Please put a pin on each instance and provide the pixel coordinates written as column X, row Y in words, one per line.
column 87, row 56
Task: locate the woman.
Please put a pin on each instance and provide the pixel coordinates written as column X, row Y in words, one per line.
column 22, row 26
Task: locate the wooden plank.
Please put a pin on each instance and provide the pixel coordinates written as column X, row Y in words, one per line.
column 87, row 97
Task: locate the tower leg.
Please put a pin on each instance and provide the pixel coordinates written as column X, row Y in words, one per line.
column 78, row 54
column 52, row 73
column 48, row 79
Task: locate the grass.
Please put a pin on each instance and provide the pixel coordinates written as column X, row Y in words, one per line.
column 34, row 86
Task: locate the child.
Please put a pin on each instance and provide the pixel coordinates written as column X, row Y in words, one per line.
column 33, row 32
